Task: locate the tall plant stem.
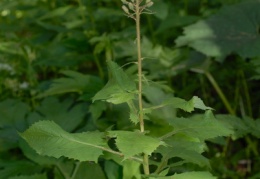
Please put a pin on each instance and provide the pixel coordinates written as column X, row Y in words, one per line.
column 140, row 99
column 220, row 93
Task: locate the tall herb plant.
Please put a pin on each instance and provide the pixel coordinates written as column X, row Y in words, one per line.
column 180, row 143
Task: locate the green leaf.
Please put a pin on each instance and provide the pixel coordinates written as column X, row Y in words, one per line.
column 36, row 176
column 89, row 170
column 61, row 11
column 12, row 119
column 133, row 143
column 114, row 94
column 233, row 29
column 202, row 127
column 120, row 77
column 74, row 82
column 188, row 106
column 21, row 167
column 188, row 175
column 131, row 169
column 47, row 138
column 61, row 112
column 239, row 125
column 186, row 147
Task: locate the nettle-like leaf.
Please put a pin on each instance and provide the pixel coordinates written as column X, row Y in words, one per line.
column 240, row 127
column 133, row 143
column 202, row 127
column 47, row 138
column 119, row 89
column 74, row 82
column 178, row 103
column 188, row 175
column 233, row 29
column 185, row 147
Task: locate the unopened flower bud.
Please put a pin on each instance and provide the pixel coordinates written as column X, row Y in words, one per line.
column 149, row 4
column 125, row 9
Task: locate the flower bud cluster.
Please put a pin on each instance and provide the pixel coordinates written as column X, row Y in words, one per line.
column 130, row 5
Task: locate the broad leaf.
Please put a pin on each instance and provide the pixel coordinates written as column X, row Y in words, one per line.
column 188, row 175
column 112, row 93
column 186, row 147
column 74, row 82
column 14, row 168
column 233, row 29
column 36, row 176
column 61, row 112
column 189, row 106
column 47, row 138
column 133, row 143
column 239, row 125
column 202, row 127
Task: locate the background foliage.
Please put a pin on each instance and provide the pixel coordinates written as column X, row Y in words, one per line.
column 53, row 62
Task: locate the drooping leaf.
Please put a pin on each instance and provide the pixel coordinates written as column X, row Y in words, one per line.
column 74, row 82
column 133, row 143
column 233, row 29
column 202, row 127
column 47, row 138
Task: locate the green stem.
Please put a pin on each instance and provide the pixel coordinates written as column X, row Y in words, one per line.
column 220, row 93
column 140, row 99
column 246, row 91
column 75, row 170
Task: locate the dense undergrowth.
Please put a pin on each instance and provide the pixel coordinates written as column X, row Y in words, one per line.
column 70, row 96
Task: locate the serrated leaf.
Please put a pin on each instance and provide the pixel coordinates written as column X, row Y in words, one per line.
column 47, row 138
column 74, row 82
column 113, row 93
column 233, row 29
column 120, row 77
column 202, row 127
column 239, row 126
column 133, row 143
column 254, row 126
column 188, row 106
column 188, row 155
column 186, row 147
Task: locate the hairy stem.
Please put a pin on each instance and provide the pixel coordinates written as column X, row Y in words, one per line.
column 140, row 99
